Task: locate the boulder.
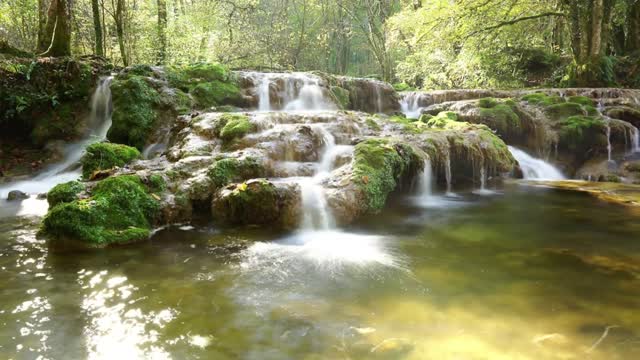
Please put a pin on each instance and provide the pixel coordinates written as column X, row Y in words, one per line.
column 16, row 195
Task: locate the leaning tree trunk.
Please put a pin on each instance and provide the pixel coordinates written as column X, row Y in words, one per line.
column 97, row 26
column 42, row 25
column 57, row 33
column 162, row 32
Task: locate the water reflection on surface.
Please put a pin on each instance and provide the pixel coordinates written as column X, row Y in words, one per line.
column 527, row 274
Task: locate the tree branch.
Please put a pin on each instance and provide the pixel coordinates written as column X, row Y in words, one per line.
column 514, row 21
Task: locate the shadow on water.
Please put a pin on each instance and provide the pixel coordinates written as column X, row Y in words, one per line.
column 526, row 273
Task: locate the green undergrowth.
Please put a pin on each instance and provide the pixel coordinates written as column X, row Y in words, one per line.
column 118, row 210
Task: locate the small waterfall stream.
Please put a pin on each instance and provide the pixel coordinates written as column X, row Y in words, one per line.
column 410, row 106
column 535, row 169
column 292, row 91
column 68, row 169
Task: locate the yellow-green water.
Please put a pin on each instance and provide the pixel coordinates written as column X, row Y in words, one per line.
column 526, row 274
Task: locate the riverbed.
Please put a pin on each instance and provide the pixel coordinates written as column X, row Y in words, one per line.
column 522, row 273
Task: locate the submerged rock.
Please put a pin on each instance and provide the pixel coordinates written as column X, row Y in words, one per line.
column 15, row 195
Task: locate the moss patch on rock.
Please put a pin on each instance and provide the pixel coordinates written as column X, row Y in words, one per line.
column 341, row 97
column 500, row 117
column 104, row 156
column 134, row 115
column 564, row 110
column 119, row 210
column 582, row 100
column 235, row 126
column 542, row 99
column 64, row 193
column 209, row 84
column 379, row 166
column 231, row 170
column 582, row 133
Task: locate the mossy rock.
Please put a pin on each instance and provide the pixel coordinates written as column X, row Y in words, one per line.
column 373, row 123
column 409, row 126
column 582, row 100
column 105, row 156
column 134, row 111
column 487, row 103
column 232, row 170
column 341, row 97
column 210, row 94
column 64, row 193
column 564, row 110
column 379, row 166
column 580, row 134
column 258, row 202
column 119, row 210
column 443, row 120
column 235, row 126
column 502, row 118
column 542, row 99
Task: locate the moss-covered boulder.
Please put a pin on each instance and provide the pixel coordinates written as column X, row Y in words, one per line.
column 64, row 193
column 209, row 84
column 542, row 99
column 379, row 166
column 234, row 170
column 582, row 134
column 135, row 104
column 117, row 210
column 258, row 202
column 500, row 116
column 105, row 156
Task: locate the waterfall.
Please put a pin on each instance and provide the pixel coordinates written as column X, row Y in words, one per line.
column 294, row 91
column 608, row 139
column 535, row 169
column 426, row 181
column 317, row 214
column 99, row 123
column 264, row 97
column 635, row 140
column 379, row 106
column 409, row 105
column 447, row 174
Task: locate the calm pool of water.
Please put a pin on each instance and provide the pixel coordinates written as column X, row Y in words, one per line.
column 524, row 274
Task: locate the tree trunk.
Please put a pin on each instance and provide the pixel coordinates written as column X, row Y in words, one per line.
column 633, row 28
column 119, row 20
column 589, row 34
column 57, row 34
column 162, row 32
column 97, row 26
column 42, row 24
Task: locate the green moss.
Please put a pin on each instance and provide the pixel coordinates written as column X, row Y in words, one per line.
column 119, row 210
column 378, row 167
column 564, row 110
column 230, row 170
column 341, row 96
column 582, row 100
column 372, row 123
column 487, row 103
column 156, row 183
column 581, row 133
column 140, row 70
column 104, row 156
column 60, row 123
column 542, row 99
column 210, row 94
column 444, row 119
column 235, row 126
column 254, row 202
column 134, row 115
column 64, row 193
column 501, row 118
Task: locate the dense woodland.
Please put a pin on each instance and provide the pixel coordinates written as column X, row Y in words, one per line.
column 414, row 43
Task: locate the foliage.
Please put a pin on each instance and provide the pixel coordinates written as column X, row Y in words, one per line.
column 105, row 156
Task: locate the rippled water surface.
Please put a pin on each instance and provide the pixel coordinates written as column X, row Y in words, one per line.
column 523, row 274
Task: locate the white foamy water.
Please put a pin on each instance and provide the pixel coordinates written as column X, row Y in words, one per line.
column 409, row 105
column 66, row 170
column 535, row 169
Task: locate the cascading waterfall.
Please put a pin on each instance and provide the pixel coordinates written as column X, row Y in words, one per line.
column 264, row 97
column 607, row 124
column 295, row 92
column 635, row 140
column 447, row 174
column 535, row 169
column 317, row 215
column 409, row 105
column 68, row 169
column 426, row 180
